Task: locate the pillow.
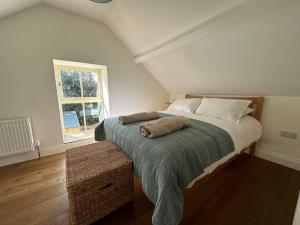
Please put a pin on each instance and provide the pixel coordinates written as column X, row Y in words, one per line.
column 248, row 111
column 185, row 105
column 223, row 109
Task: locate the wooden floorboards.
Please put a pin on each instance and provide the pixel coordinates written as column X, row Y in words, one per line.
column 249, row 191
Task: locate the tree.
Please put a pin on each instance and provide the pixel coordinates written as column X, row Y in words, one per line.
column 71, row 89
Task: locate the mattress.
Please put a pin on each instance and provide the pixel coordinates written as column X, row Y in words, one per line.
column 247, row 131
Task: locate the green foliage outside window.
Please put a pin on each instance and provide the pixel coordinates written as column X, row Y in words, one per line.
column 71, row 84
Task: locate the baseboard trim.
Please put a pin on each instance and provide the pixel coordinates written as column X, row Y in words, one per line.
column 45, row 151
column 263, row 151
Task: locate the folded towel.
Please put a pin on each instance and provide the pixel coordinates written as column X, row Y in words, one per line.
column 163, row 126
column 137, row 117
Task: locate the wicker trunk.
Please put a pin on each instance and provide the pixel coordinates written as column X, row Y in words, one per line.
column 99, row 180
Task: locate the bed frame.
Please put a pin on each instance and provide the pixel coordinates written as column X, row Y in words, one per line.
column 256, row 103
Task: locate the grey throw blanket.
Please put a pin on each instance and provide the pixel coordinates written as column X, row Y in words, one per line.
column 168, row 163
column 163, row 126
column 137, row 117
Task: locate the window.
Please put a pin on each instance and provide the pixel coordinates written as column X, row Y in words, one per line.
column 81, row 98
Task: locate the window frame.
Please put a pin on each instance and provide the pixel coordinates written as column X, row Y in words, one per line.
column 80, row 67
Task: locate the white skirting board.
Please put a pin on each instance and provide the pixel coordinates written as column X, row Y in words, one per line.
column 264, row 151
column 45, row 151
column 297, row 213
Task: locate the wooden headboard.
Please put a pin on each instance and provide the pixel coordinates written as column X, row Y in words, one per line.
column 256, row 104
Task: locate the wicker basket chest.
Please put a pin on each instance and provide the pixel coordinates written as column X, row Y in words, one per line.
column 99, row 180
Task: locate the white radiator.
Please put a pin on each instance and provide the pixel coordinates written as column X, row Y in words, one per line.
column 15, row 136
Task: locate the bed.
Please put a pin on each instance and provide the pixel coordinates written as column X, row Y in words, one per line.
column 168, row 164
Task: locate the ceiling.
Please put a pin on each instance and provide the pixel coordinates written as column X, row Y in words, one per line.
column 12, row 6
column 202, row 46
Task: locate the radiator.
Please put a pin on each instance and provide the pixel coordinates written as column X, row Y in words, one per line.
column 15, row 136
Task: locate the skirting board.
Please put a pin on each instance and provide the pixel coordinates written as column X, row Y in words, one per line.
column 264, row 151
column 45, row 151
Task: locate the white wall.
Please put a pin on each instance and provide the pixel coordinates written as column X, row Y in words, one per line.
column 281, row 113
column 30, row 40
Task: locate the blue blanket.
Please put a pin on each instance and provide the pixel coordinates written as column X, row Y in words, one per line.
column 169, row 163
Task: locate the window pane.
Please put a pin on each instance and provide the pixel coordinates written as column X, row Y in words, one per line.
column 90, row 84
column 70, row 83
column 93, row 114
column 73, row 118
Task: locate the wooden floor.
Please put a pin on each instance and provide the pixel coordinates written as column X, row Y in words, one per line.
column 250, row 191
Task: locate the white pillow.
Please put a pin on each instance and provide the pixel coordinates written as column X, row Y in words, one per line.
column 248, row 111
column 185, row 105
column 224, row 109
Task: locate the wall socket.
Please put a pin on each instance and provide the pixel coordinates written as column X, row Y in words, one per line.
column 289, row 134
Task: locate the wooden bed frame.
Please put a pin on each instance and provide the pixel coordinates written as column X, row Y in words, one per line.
column 256, row 104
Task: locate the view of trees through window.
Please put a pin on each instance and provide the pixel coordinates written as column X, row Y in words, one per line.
column 71, row 84
column 81, row 100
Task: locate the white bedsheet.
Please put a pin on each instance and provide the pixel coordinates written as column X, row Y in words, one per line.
column 249, row 130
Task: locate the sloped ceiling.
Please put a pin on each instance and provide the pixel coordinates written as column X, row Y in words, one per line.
column 12, row 6
column 144, row 24
column 204, row 46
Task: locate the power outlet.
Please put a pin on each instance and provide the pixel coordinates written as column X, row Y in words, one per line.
column 289, row 134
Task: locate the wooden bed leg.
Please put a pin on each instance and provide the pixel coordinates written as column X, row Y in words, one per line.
column 252, row 149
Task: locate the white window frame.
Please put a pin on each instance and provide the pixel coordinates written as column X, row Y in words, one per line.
column 82, row 67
